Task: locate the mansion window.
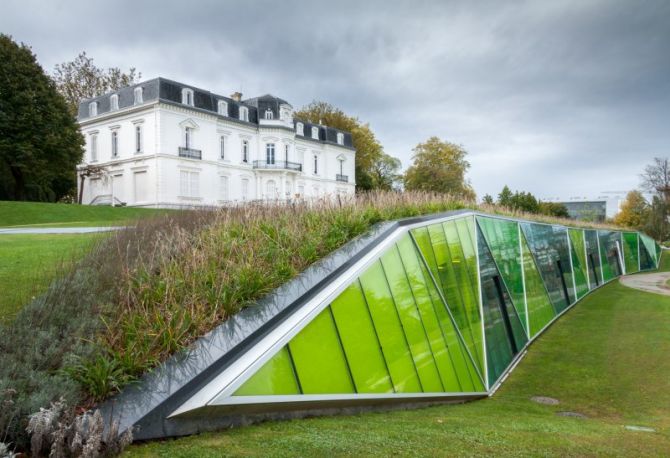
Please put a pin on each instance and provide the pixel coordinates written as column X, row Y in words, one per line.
column 316, row 164
column 93, row 109
column 245, row 188
column 300, row 129
column 269, row 114
column 115, row 143
column 270, row 153
column 271, row 189
column 223, row 191
column 94, row 148
column 187, row 97
column 222, row 146
column 286, row 148
column 189, row 184
column 138, row 139
column 223, row 108
column 114, row 102
column 188, row 137
column 244, row 114
column 139, row 96
column 245, row 150
column 315, row 133
column 340, row 138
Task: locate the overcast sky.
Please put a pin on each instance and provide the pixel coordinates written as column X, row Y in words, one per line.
column 560, row 98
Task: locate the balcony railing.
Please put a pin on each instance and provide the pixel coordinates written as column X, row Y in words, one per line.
column 190, row 153
column 342, row 178
column 282, row 165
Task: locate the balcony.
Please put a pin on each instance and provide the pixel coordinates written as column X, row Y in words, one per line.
column 278, row 165
column 190, row 153
column 342, row 178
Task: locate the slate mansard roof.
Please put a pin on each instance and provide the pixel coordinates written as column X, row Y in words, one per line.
column 167, row 91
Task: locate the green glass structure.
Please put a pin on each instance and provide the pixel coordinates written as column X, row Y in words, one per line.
column 440, row 308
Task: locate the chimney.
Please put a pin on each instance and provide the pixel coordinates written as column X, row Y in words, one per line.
column 236, row 96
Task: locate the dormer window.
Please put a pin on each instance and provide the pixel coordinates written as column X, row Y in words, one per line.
column 187, row 96
column 315, row 133
column 114, row 102
column 269, row 114
column 93, row 109
column 244, row 114
column 340, row 138
column 223, row 108
column 300, row 129
column 138, row 93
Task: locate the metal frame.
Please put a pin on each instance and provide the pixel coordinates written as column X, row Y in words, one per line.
column 220, row 389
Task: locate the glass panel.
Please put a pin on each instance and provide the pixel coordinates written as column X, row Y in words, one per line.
column 276, row 377
column 540, row 310
column 609, row 253
column 451, row 269
column 549, row 246
column 389, row 330
column 318, row 357
column 360, row 342
column 646, row 259
column 502, row 237
column 578, row 261
column 505, row 336
column 630, row 252
column 411, row 321
column 593, row 258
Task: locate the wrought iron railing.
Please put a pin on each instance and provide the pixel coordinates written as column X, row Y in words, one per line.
column 342, row 178
column 284, row 165
column 190, row 153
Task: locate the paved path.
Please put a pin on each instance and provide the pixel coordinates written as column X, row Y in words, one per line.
column 653, row 283
column 58, row 230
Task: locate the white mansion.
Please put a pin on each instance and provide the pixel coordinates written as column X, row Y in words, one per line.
column 165, row 144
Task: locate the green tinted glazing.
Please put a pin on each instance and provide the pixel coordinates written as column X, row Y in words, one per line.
column 593, row 257
column 646, row 260
column 360, row 342
column 389, row 330
column 458, row 290
column 609, row 253
column 630, row 252
column 502, row 237
column 410, row 319
column 276, row 377
column 318, row 357
column 424, row 302
column 650, row 246
column 578, row 261
column 504, row 333
column 540, row 309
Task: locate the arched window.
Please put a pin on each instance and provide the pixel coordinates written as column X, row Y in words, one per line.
column 300, row 129
column 315, row 133
column 244, row 114
column 187, row 96
column 271, row 189
column 223, row 108
column 93, row 109
column 139, row 95
column 114, row 102
column 245, row 150
column 270, row 153
column 269, row 114
column 340, row 138
column 115, row 143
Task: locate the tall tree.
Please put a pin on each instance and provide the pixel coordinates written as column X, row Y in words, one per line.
column 505, row 197
column 81, row 79
column 40, row 142
column 634, row 211
column 370, row 157
column 385, row 173
column 439, row 166
column 656, row 178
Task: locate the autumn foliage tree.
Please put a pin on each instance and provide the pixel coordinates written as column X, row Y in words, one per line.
column 439, row 166
column 374, row 168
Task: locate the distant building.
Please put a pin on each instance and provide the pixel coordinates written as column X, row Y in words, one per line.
column 591, row 210
column 165, row 144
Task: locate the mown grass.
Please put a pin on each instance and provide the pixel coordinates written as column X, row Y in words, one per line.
column 606, row 359
column 71, row 215
column 28, row 263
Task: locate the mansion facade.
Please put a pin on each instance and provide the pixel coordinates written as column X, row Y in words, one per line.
column 165, row 144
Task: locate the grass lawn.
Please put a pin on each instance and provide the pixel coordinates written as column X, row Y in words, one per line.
column 47, row 214
column 606, row 359
column 29, row 262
